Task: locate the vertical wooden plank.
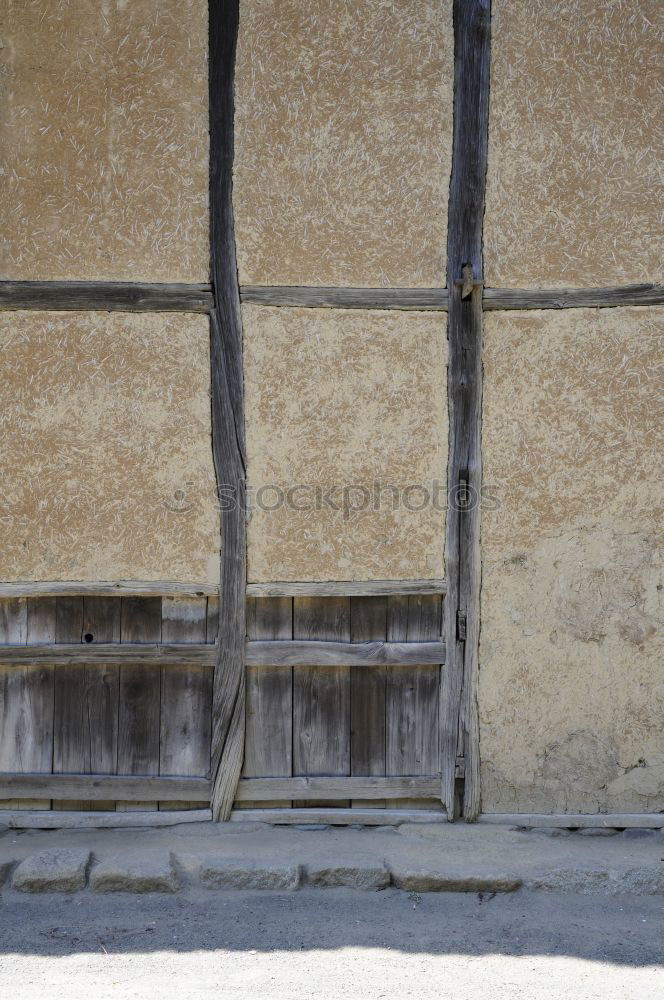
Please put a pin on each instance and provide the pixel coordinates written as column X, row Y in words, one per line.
column 101, row 623
column 464, row 255
column 368, row 620
column 140, row 696
column 186, row 697
column 321, row 695
column 269, row 708
column 228, row 448
column 412, row 694
column 70, row 745
column 212, row 625
column 26, row 696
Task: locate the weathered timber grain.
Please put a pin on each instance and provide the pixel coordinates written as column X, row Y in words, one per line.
column 368, row 622
column 381, row 787
column 186, row 696
column 412, row 693
column 28, row 819
column 459, row 723
column 315, row 653
column 228, row 699
column 345, row 588
column 105, row 296
column 573, row 298
column 321, row 693
column 106, row 588
column 338, row 817
column 26, row 693
column 97, row 787
column 269, row 707
column 140, row 694
column 140, row 654
column 71, row 745
column 314, row 297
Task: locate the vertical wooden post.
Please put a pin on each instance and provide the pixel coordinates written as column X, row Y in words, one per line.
column 228, row 696
column 459, row 720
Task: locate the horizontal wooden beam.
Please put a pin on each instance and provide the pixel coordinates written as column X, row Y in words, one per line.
column 573, row 298
column 338, row 817
column 45, row 819
column 314, row 297
column 293, row 653
column 148, row 654
column 345, row 588
column 286, row 653
column 105, row 296
column 573, row 821
column 107, row 588
column 127, row 296
column 95, row 787
column 266, row 789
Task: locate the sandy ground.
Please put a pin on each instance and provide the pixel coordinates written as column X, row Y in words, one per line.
column 332, row 944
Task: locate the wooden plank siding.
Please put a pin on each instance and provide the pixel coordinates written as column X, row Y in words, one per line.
column 85, row 714
column 326, row 722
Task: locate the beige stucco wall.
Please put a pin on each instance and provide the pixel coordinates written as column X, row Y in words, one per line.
column 105, row 462
column 574, row 190
column 571, row 689
column 343, row 141
column 343, row 398
column 104, row 140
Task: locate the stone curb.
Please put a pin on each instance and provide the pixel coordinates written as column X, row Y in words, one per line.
column 148, row 872
column 448, row 880
column 56, row 869
column 231, row 873
column 347, row 875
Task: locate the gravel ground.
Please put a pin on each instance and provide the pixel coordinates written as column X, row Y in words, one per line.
column 331, row 944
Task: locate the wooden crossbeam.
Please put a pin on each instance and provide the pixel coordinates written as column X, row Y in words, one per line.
column 105, row 296
column 345, row 588
column 104, row 787
column 295, row 653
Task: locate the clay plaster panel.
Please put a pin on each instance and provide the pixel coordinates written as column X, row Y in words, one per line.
column 106, row 465
column 574, row 190
column 343, row 141
column 104, row 136
column 340, row 399
column 571, row 685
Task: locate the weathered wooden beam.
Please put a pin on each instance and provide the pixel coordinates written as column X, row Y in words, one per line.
column 338, row 817
column 96, row 787
column 459, row 722
column 105, row 296
column 314, row 297
column 345, row 588
column 228, row 696
column 106, row 588
column 312, row 653
column 45, row 819
column 573, row 298
column 574, row 821
column 142, row 654
column 265, row 789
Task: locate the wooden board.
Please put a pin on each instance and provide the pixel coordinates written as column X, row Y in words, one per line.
column 344, row 588
column 269, row 708
column 105, row 296
column 140, row 695
column 26, row 698
column 185, row 697
column 412, row 694
column 368, row 620
column 321, row 695
column 339, row 817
